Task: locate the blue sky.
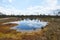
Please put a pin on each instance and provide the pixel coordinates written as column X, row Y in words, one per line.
column 20, row 4
column 30, row 5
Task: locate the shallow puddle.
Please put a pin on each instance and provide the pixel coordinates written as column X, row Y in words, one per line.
column 28, row 24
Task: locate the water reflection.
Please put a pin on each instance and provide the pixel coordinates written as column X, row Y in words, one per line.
column 28, row 24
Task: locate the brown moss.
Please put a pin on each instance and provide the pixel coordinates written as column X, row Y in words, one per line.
column 50, row 32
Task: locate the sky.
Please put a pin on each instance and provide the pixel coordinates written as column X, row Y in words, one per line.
column 28, row 7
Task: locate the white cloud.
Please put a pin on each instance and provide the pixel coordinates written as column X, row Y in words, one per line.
column 9, row 11
column 51, row 2
column 36, row 10
column 44, row 9
column 10, row 1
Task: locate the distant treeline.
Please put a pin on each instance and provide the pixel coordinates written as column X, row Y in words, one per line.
column 29, row 16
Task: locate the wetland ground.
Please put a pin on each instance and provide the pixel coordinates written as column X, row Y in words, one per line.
column 49, row 32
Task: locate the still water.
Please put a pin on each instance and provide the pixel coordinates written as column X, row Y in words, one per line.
column 28, row 24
